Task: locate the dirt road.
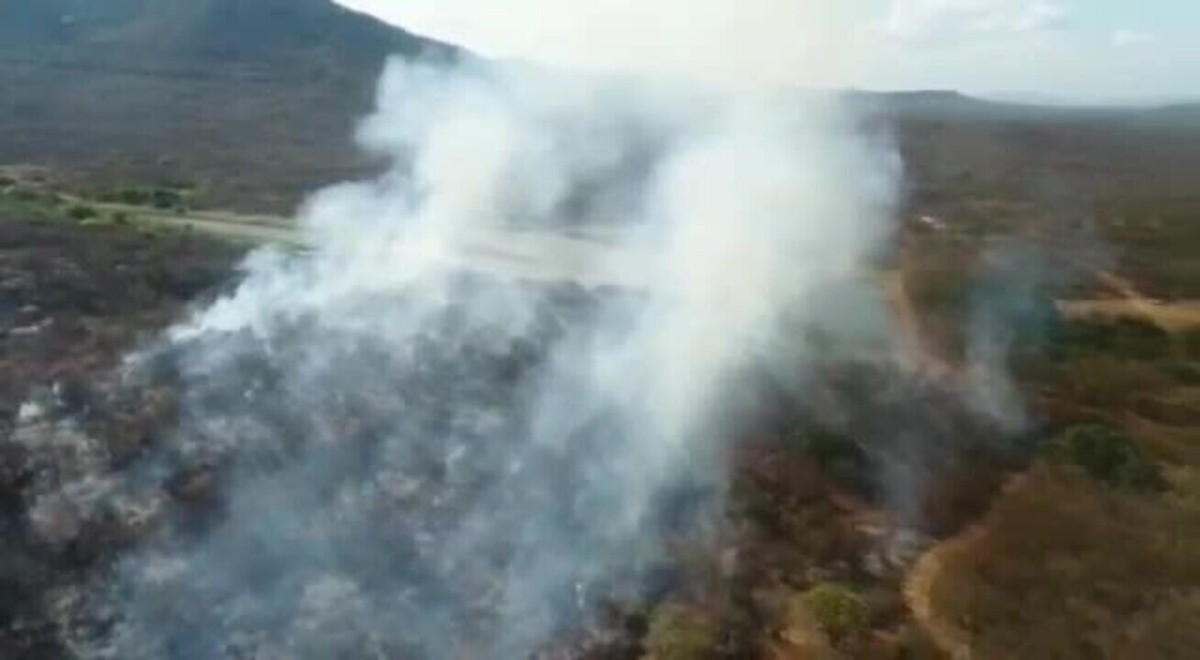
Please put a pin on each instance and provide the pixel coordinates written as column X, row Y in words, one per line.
column 1174, row 316
column 590, row 256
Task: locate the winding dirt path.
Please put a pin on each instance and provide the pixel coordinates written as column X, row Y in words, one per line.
column 919, row 582
column 918, row 588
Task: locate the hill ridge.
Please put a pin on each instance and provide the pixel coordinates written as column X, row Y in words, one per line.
column 255, row 101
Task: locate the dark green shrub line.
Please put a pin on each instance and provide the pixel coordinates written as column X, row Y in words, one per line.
column 1109, row 456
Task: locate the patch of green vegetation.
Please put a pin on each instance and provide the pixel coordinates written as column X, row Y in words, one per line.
column 24, row 203
column 1110, row 456
column 681, row 632
column 841, row 613
column 174, row 196
column 23, row 194
column 82, row 212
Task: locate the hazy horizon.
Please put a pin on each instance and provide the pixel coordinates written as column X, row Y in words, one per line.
column 1045, row 51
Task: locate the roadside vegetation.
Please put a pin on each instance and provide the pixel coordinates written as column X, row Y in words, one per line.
column 176, row 197
column 39, row 200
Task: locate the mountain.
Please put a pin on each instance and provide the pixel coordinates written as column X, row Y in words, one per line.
column 253, row 100
column 244, row 32
column 255, row 103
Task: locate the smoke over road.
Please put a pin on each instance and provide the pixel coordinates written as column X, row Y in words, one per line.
column 383, row 454
column 378, row 453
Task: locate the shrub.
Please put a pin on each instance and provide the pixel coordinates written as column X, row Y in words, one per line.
column 162, row 198
column 82, row 212
column 681, row 632
column 1110, row 456
column 841, row 613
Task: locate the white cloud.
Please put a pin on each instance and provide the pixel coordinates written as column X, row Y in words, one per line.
column 1132, row 38
column 941, row 21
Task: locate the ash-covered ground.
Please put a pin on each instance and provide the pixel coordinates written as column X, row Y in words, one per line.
column 73, row 302
column 398, row 493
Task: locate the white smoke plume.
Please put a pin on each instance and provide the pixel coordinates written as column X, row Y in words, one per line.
column 745, row 44
column 426, row 443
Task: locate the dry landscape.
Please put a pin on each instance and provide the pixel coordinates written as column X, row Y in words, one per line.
column 1073, row 236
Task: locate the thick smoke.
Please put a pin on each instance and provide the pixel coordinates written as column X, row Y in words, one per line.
column 502, row 373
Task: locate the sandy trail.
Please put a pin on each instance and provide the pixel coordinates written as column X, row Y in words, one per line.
column 921, row 578
column 1173, row 316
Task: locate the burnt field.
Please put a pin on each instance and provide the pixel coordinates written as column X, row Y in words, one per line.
column 356, row 470
column 73, row 302
column 377, row 500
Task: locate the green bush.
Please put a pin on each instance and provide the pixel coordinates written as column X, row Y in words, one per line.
column 841, row 613
column 1110, row 456
column 82, row 212
column 163, row 198
column 681, row 632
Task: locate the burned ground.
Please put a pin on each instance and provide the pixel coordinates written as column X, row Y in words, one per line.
column 73, row 302
column 126, row 483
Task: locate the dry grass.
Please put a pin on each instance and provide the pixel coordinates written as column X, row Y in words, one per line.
column 1067, row 569
column 1173, row 316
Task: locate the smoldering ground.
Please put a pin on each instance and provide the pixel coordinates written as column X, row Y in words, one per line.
column 371, row 449
column 376, row 452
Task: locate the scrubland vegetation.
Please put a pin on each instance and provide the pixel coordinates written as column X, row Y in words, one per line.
column 1093, row 551
column 1077, row 539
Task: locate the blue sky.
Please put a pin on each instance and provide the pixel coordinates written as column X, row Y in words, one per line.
column 1071, row 50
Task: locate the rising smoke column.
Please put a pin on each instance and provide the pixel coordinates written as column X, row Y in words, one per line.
column 416, row 459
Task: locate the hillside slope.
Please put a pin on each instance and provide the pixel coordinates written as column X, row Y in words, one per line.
column 201, row 91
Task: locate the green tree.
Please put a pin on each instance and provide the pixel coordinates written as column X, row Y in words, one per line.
column 841, row 613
